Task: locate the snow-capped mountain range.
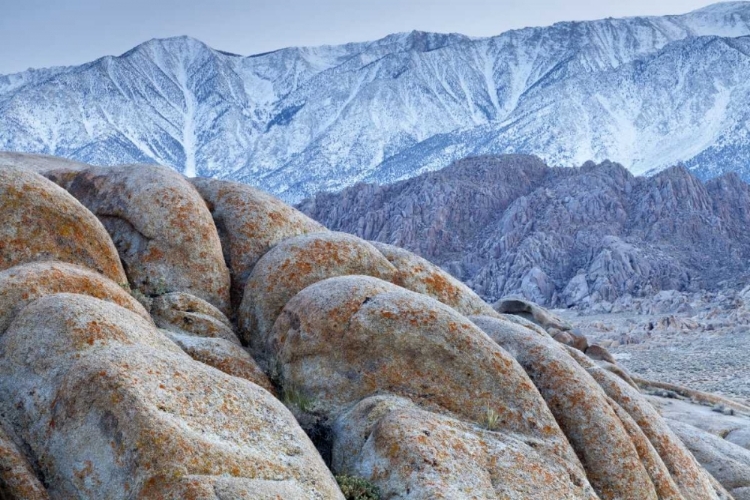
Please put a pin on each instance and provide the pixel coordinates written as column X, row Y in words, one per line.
column 647, row 92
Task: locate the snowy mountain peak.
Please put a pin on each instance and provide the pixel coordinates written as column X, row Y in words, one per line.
column 724, row 8
column 648, row 92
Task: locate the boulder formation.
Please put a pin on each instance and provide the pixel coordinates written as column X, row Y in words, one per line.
column 21, row 285
column 388, row 368
column 111, row 408
column 585, row 414
column 420, row 275
column 250, row 222
column 17, row 477
column 423, row 455
column 163, row 231
column 185, row 313
column 42, row 222
column 296, row 263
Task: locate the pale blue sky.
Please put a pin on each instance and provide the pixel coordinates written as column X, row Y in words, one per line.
column 41, row 33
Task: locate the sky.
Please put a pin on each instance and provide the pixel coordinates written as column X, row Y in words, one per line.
column 43, row 33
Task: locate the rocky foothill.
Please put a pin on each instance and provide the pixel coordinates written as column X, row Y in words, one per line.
column 172, row 338
column 593, row 237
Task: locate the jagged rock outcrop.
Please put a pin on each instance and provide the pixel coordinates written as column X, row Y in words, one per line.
column 510, row 225
column 250, row 222
column 43, row 222
column 107, row 393
column 163, row 231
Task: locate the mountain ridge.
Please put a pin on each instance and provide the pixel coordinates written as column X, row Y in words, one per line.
column 564, row 237
column 300, row 120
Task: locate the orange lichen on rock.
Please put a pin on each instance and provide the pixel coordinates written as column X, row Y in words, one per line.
column 42, row 222
column 222, row 355
column 692, row 480
column 250, row 223
column 334, row 344
column 295, row 264
column 412, row 453
column 161, row 227
column 421, row 276
column 21, row 285
column 184, row 313
column 17, row 478
column 131, row 414
column 582, row 409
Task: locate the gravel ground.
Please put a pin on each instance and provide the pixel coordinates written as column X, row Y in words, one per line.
column 706, row 348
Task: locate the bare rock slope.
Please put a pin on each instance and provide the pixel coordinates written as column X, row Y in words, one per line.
column 560, row 237
column 383, row 373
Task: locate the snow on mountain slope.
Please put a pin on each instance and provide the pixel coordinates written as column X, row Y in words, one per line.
column 681, row 104
column 648, row 92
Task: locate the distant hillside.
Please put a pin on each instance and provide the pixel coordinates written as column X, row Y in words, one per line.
column 559, row 236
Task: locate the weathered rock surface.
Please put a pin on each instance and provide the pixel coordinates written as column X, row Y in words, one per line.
column 182, row 312
column 510, row 225
column 599, row 353
column 41, row 164
column 572, row 339
column 419, row 275
column 347, row 338
column 731, row 426
column 531, row 312
column 223, row 355
column 21, row 285
column 584, row 413
column 415, row 454
column 250, row 222
column 110, row 408
column 17, row 478
column 727, row 462
column 393, row 384
column 694, row 482
column 42, row 222
column 163, row 231
column 295, row 264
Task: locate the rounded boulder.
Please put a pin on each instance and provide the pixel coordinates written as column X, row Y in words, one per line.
column 42, row 222
column 161, row 227
column 295, row 264
column 184, row 313
column 108, row 407
column 405, row 449
column 422, row 276
column 584, row 413
column 21, row 285
column 347, row 338
column 250, row 222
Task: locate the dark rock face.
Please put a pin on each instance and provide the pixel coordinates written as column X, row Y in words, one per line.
column 562, row 237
